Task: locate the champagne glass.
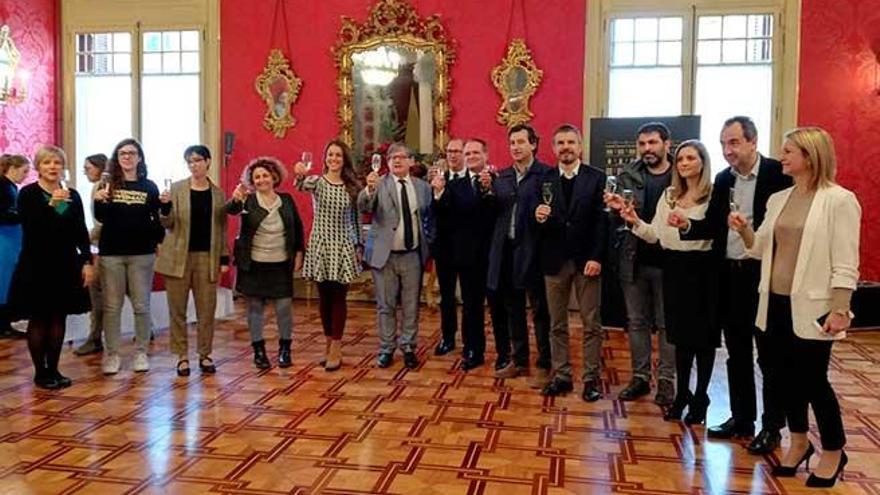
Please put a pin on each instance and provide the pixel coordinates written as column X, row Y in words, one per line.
column 168, row 183
column 547, row 193
column 307, row 160
column 376, row 162
column 245, row 182
column 734, row 206
column 628, row 200
column 105, row 181
column 670, row 197
column 610, row 188
column 490, row 169
column 65, row 182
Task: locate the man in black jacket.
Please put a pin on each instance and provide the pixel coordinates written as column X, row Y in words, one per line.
column 513, row 269
column 572, row 228
column 745, row 185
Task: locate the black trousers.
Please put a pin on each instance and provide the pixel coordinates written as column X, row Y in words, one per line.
column 739, row 306
column 805, row 377
column 513, row 302
column 473, row 294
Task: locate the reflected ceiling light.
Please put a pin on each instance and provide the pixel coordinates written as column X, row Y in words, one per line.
column 379, row 65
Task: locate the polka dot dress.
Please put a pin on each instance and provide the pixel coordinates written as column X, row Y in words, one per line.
column 331, row 253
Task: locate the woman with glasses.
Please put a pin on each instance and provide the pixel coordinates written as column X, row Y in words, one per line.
column 193, row 255
column 129, row 214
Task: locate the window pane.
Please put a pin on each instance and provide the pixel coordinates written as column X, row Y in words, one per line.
column 720, row 93
column 734, row 26
column 171, row 41
column 734, row 51
column 189, row 41
column 646, row 29
column 103, row 42
column 760, row 26
column 670, row 53
column 122, row 63
column 759, row 50
column 170, row 62
column 709, row 52
column 646, row 53
column 152, row 63
column 710, row 27
column 629, row 96
column 170, row 122
column 103, row 63
column 670, row 28
column 190, row 62
column 152, row 42
column 121, row 42
column 623, row 54
column 622, row 30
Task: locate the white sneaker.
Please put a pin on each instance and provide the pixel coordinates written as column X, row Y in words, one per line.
column 141, row 362
column 110, row 365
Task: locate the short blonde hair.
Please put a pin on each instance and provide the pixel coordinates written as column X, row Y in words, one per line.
column 46, row 151
column 704, row 188
column 817, row 148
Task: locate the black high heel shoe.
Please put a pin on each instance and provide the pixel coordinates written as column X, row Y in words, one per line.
column 673, row 413
column 697, row 411
column 816, row 482
column 781, row 471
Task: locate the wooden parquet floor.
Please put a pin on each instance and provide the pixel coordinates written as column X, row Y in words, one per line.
column 434, row 430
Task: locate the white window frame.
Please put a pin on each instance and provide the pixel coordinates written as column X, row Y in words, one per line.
column 786, row 31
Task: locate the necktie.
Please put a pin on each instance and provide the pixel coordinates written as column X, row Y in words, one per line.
column 407, row 216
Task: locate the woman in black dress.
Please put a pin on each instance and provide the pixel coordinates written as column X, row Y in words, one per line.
column 54, row 269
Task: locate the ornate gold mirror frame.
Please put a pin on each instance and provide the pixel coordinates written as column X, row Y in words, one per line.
column 393, row 23
column 9, row 58
column 516, row 79
column 279, row 87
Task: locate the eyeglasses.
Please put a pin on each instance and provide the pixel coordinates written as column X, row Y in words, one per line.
column 127, row 154
column 195, row 160
column 399, row 156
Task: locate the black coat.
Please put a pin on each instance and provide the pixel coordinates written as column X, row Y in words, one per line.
column 252, row 214
column 464, row 220
column 575, row 231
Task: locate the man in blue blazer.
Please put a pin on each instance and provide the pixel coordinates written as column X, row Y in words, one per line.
column 572, row 227
column 752, row 178
column 513, row 270
column 396, row 250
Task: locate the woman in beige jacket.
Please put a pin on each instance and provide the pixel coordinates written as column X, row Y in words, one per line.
column 809, row 250
column 193, row 255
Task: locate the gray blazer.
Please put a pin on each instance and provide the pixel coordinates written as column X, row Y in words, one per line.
column 383, row 205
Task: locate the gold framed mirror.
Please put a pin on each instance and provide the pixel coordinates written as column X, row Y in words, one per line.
column 393, row 80
column 279, row 88
column 517, row 79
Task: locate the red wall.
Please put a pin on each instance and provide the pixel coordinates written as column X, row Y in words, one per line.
column 25, row 126
column 838, row 91
column 479, row 28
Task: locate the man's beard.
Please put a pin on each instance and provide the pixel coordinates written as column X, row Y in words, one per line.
column 651, row 158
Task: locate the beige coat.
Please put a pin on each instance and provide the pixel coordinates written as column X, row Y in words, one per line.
column 175, row 248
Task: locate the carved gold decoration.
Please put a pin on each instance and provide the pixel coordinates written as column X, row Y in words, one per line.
column 516, row 79
column 279, row 87
column 393, row 23
column 12, row 89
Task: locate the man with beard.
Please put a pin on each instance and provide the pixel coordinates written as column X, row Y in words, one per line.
column 466, row 221
column 513, row 259
column 571, row 231
column 747, row 184
column 641, row 275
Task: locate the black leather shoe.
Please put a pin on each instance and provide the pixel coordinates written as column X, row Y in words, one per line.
column 557, row 386
column 665, row 393
column 384, row 360
column 444, row 347
column 472, row 361
column 781, row 471
column 63, row 381
column 46, row 382
column 501, row 362
column 637, row 387
column 765, row 442
column 730, row 429
column 674, row 411
column 697, row 410
column 591, row 391
column 410, row 360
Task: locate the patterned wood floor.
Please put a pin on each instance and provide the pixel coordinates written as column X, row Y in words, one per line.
column 434, row 430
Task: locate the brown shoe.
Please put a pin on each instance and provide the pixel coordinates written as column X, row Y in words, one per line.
column 508, row 371
column 334, row 356
column 540, row 379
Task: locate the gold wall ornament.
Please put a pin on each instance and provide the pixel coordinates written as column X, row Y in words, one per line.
column 516, row 78
column 12, row 86
column 393, row 25
column 279, row 87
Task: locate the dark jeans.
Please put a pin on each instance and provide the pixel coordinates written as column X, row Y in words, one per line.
column 513, row 301
column 805, row 377
column 739, row 305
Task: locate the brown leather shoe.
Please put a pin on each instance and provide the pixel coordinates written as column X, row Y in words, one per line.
column 540, row 379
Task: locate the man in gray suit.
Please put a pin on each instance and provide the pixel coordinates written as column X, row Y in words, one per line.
column 396, row 250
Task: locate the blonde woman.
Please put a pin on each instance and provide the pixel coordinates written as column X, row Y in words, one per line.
column 809, row 250
column 690, row 278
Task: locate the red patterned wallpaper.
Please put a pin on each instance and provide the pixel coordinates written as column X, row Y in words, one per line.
column 25, row 126
column 838, row 92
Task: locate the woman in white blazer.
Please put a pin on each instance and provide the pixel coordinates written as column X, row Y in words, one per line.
column 809, row 251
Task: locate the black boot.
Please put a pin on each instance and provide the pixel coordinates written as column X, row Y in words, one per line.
column 697, row 410
column 682, row 399
column 261, row 361
column 284, row 353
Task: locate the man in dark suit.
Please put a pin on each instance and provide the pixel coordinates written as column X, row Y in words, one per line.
column 464, row 223
column 513, row 269
column 442, row 252
column 572, row 227
column 745, row 185
column 396, row 250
